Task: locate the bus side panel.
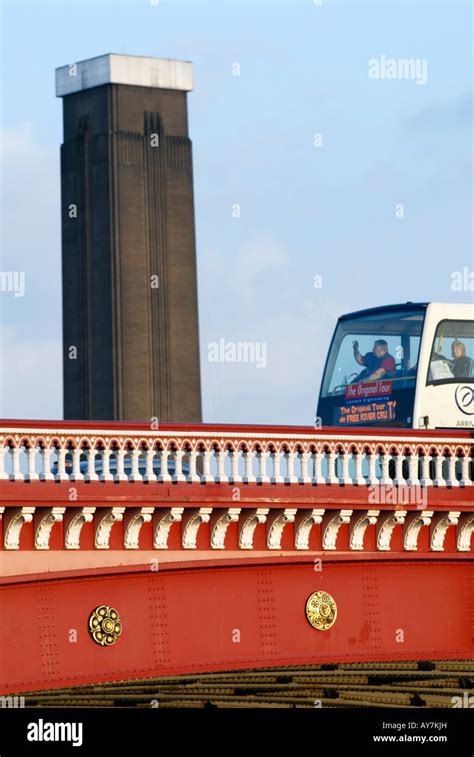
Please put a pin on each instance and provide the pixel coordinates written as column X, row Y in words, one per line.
column 445, row 405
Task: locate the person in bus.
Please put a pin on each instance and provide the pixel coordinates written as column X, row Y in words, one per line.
column 377, row 363
column 462, row 364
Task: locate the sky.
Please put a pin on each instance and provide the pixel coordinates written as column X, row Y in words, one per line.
column 364, row 182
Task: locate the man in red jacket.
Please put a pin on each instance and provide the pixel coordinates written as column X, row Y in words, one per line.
column 378, row 363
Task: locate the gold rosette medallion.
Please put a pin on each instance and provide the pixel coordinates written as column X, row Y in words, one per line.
column 104, row 625
column 321, row 610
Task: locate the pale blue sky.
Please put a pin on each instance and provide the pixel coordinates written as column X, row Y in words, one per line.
column 305, row 210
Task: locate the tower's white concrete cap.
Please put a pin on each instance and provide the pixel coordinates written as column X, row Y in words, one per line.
column 161, row 73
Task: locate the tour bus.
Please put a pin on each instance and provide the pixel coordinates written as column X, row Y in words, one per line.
column 401, row 366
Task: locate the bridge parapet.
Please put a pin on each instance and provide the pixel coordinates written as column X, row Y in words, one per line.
column 129, row 487
column 126, row 453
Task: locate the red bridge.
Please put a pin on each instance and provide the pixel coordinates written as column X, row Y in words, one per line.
column 128, row 551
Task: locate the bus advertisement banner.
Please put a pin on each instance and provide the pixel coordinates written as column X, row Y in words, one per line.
column 370, row 389
column 367, row 403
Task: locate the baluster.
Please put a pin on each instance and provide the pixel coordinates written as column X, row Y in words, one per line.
column 91, row 474
column 32, row 475
column 413, row 470
column 331, row 458
column 399, row 480
column 372, row 480
column 76, row 465
column 220, row 477
column 276, row 478
column 385, row 479
column 291, row 477
column 164, row 474
column 149, row 460
column 345, row 478
column 248, row 476
column 194, row 476
column 3, row 472
column 46, row 474
column 318, row 477
column 235, row 475
column 305, row 478
column 61, row 474
column 359, row 478
column 207, row 476
column 135, row 468
column 425, row 470
column 16, row 474
column 121, row 475
column 106, row 475
column 465, row 480
column 262, row 477
column 178, row 469
column 452, row 480
column 439, row 480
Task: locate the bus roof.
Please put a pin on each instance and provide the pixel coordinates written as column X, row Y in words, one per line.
column 385, row 309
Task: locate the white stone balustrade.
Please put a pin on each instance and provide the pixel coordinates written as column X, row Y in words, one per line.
column 210, row 455
column 192, row 483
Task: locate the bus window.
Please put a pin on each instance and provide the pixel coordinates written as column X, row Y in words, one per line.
column 367, row 348
column 452, row 353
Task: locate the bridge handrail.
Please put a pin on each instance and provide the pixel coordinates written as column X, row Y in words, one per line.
column 155, row 426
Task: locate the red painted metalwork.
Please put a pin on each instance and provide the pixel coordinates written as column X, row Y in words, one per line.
column 195, row 617
column 402, row 575
column 106, row 494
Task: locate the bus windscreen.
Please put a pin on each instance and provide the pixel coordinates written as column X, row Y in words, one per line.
column 371, row 369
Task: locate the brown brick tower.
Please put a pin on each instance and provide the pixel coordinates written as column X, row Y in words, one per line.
column 130, row 314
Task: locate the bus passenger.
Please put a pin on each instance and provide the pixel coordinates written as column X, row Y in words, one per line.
column 461, row 362
column 377, row 363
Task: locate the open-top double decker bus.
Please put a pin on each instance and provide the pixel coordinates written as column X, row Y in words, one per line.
column 406, row 366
